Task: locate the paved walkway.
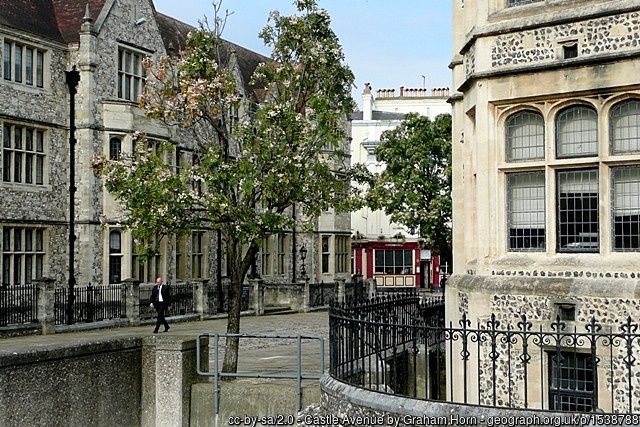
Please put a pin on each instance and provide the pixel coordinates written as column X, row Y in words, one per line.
column 255, row 355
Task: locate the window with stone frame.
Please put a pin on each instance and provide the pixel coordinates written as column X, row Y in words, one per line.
column 626, row 208
column 23, row 154
column 576, row 132
column 181, row 257
column 265, row 255
column 577, row 211
column 524, row 136
column 624, row 127
column 282, row 251
column 23, row 255
column 526, row 211
column 325, row 254
column 196, row 185
column 342, row 254
column 572, row 377
column 147, row 269
column 131, row 74
column 181, row 157
column 23, row 63
column 115, row 256
column 115, row 148
column 198, row 248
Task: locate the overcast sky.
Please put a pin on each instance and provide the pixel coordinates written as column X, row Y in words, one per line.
column 387, row 43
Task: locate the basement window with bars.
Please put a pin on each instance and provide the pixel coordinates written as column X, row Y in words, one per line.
column 571, row 381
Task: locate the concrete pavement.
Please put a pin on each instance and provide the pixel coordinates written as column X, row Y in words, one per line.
column 255, row 355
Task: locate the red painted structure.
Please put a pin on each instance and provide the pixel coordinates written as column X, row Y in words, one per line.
column 395, row 263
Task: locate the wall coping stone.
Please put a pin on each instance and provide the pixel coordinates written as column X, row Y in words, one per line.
column 398, row 406
column 64, row 350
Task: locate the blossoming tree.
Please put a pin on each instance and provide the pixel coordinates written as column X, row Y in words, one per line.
column 287, row 150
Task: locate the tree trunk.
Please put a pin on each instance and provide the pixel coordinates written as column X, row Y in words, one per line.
column 230, row 363
column 238, row 267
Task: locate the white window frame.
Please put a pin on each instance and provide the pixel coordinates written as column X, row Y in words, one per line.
column 131, row 74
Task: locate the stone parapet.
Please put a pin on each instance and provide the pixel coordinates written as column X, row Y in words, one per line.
column 170, row 371
column 46, row 299
column 343, row 404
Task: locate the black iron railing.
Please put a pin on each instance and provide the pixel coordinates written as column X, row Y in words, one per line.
column 144, row 299
column 182, row 298
column 18, row 305
column 321, row 293
column 91, row 304
column 399, row 344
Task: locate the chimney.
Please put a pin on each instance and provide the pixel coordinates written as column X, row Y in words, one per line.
column 401, row 91
column 367, row 102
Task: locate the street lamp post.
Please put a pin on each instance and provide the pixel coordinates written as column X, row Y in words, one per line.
column 303, row 256
column 72, row 79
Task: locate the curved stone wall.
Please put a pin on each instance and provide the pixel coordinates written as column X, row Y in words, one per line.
column 342, row 404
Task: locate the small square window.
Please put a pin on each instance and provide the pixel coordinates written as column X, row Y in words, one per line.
column 570, row 51
column 566, row 312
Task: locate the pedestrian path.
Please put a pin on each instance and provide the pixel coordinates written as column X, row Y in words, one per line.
column 254, row 355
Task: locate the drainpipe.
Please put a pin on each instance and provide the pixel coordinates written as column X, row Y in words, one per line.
column 72, row 79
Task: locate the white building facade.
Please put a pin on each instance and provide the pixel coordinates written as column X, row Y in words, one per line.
column 373, row 231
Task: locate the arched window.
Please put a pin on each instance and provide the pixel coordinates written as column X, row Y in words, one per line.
column 624, row 127
column 525, row 136
column 577, row 132
column 115, row 256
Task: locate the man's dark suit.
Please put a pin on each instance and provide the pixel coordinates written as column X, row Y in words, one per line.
column 160, row 306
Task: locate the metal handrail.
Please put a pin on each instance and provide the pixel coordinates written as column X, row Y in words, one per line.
column 299, row 376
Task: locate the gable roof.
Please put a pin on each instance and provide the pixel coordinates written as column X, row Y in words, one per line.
column 174, row 35
column 70, row 14
column 60, row 20
column 33, row 16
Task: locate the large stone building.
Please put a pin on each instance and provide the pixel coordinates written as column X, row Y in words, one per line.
column 383, row 250
column 106, row 40
column 546, row 184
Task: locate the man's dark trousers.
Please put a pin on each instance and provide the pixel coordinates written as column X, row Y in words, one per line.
column 160, row 306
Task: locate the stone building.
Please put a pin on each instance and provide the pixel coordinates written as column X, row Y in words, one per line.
column 546, row 181
column 384, row 250
column 106, row 40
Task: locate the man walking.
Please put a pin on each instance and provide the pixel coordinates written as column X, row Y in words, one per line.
column 161, row 299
